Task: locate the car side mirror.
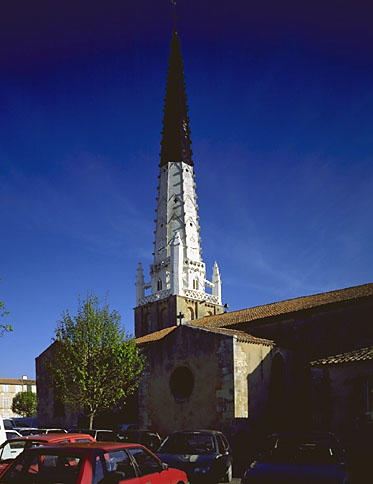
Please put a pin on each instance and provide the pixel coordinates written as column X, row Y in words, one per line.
column 164, row 466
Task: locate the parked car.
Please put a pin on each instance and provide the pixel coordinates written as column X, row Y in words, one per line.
column 126, row 426
column 202, row 454
column 51, row 431
column 100, row 435
column 105, row 463
column 299, row 458
column 27, row 430
column 10, row 449
column 9, row 423
column 12, row 434
column 151, row 440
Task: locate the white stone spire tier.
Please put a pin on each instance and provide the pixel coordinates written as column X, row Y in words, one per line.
column 178, row 268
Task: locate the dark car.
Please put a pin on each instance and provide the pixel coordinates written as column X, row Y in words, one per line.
column 91, row 463
column 100, row 435
column 203, row 454
column 299, row 458
column 151, row 440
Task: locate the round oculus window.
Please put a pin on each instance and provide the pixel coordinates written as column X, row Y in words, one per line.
column 181, row 383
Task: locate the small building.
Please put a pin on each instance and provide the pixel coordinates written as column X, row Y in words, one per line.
column 343, row 391
column 9, row 387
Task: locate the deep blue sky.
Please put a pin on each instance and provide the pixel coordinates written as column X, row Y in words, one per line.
column 281, row 102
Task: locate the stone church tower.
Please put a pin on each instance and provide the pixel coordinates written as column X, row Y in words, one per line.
column 176, row 291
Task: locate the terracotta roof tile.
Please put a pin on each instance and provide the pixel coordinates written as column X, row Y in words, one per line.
column 363, row 354
column 240, row 335
column 156, row 336
column 16, row 381
column 284, row 307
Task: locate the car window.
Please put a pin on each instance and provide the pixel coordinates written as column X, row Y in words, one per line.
column 119, row 461
column 98, row 471
column 225, row 442
column 105, row 436
column 147, row 463
column 221, row 446
column 188, row 443
column 11, row 450
column 49, row 467
column 83, row 440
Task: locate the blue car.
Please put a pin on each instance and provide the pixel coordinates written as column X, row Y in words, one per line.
column 204, row 455
column 296, row 458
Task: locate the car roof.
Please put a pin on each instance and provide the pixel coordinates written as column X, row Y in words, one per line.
column 50, row 437
column 303, row 434
column 199, row 431
column 84, row 446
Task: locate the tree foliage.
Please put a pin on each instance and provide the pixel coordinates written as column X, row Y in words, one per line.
column 25, row 404
column 96, row 366
column 3, row 312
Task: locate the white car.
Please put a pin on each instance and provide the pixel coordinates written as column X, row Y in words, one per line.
column 2, row 431
column 12, row 434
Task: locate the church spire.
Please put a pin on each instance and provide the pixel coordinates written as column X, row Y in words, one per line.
column 178, row 281
column 176, row 132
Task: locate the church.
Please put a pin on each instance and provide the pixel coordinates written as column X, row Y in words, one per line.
column 304, row 362
column 262, row 368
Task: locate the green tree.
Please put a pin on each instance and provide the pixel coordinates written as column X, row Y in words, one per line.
column 3, row 312
column 96, row 365
column 25, row 404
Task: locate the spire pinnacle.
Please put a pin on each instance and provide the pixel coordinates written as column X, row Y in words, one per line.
column 175, row 144
column 174, row 14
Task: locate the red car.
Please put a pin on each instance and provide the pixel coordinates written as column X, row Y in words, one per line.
column 91, row 463
column 11, row 448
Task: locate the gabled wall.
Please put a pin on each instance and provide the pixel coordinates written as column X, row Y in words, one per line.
column 209, row 358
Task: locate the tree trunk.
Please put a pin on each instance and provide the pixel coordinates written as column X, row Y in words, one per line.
column 91, row 416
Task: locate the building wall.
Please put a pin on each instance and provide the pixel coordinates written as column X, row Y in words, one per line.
column 209, row 358
column 253, row 367
column 343, row 396
column 8, row 389
column 163, row 314
column 51, row 412
column 322, row 331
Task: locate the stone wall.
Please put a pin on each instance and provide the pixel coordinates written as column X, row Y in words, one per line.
column 253, row 365
column 163, row 313
column 205, row 355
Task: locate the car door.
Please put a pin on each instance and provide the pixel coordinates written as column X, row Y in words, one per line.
column 116, row 463
column 224, row 455
column 150, row 467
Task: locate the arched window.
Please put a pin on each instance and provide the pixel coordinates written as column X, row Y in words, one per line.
column 159, row 285
column 190, row 313
column 277, row 393
column 163, row 323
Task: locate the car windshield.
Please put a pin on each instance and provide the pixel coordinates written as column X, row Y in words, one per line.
column 45, row 468
column 188, row 443
column 10, row 450
column 304, row 451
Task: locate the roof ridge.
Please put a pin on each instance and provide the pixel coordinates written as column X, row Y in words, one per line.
column 344, row 289
column 322, row 296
